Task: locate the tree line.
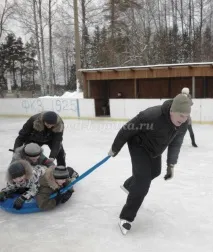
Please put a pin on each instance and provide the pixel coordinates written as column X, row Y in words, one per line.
column 112, row 33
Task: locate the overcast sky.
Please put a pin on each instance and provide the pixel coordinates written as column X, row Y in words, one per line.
column 14, row 26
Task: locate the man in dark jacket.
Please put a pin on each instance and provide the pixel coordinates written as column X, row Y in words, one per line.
column 148, row 135
column 44, row 128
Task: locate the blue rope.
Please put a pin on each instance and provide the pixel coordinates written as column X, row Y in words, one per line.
column 86, row 173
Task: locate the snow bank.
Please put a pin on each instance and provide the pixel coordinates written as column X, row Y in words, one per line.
column 75, row 95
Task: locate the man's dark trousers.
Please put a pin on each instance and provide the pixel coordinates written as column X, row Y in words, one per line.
column 144, row 170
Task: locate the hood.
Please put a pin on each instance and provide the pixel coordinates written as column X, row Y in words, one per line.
column 38, row 124
column 50, row 180
column 28, row 170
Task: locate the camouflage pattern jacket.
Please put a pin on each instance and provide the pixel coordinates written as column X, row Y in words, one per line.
column 31, row 183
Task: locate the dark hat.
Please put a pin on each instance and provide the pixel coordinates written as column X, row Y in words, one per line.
column 32, row 150
column 16, row 170
column 50, row 117
column 181, row 104
column 60, row 172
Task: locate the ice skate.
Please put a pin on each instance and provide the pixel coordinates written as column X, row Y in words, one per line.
column 125, row 226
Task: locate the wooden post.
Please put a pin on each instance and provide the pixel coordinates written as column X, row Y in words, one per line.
column 193, row 86
column 135, row 88
column 88, row 89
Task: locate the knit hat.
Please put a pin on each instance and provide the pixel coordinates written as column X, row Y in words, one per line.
column 185, row 90
column 32, row 150
column 60, row 172
column 50, row 117
column 16, row 170
column 181, row 104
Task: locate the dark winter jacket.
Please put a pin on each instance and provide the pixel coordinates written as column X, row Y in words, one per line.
column 153, row 130
column 35, row 131
column 48, row 186
column 42, row 160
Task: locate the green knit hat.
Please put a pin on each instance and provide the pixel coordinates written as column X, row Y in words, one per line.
column 181, row 104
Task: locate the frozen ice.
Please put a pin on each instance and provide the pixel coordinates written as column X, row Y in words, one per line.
column 176, row 215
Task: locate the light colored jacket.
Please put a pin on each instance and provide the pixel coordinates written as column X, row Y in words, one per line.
column 32, row 178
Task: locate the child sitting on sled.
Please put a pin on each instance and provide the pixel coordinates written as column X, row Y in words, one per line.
column 23, row 179
column 54, row 179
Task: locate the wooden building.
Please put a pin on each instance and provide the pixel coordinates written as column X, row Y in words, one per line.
column 153, row 81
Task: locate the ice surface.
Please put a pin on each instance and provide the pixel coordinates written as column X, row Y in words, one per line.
column 176, row 216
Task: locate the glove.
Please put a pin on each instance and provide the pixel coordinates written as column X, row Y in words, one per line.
column 58, row 198
column 21, row 190
column 2, row 196
column 111, row 153
column 170, row 172
column 72, row 172
column 66, row 196
column 51, row 159
column 19, row 203
column 5, row 195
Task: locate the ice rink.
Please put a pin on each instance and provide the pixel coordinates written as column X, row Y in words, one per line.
column 177, row 215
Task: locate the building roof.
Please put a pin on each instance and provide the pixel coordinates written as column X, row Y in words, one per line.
column 147, row 67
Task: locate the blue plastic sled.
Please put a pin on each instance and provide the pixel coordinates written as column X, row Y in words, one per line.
column 29, row 206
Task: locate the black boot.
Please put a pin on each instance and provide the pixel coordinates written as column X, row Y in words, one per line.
column 194, row 144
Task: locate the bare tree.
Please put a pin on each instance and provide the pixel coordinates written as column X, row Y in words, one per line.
column 77, row 45
column 51, row 86
column 6, row 10
column 38, row 48
column 42, row 44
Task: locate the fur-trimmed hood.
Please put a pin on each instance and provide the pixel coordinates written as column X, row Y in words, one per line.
column 19, row 152
column 50, row 180
column 28, row 170
column 38, row 124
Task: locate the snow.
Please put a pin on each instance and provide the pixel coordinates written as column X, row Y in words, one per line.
column 146, row 66
column 176, row 215
column 74, row 95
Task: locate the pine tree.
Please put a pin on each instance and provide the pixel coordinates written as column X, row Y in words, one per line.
column 31, row 65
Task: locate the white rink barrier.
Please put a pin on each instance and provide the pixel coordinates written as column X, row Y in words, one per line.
column 202, row 109
column 120, row 109
column 65, row 107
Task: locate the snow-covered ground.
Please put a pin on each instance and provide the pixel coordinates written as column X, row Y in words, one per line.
column 176, row 216
column 74, row 95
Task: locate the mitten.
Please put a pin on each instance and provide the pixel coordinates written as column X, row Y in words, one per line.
column 51, row 159
column 170, row 172
column 19, row 203
column 21, row 190
column 58, row 198
column 66, row 196
column 5, row 195
column 72, row 172
column 2, row 196
column 111, row 153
